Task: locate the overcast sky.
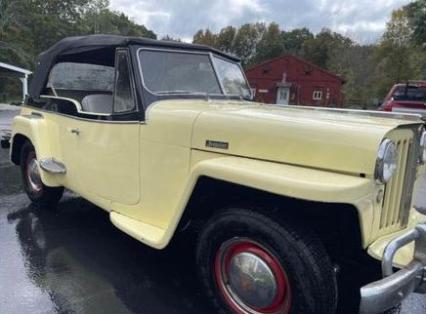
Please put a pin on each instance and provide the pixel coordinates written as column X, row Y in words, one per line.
column 362, row 20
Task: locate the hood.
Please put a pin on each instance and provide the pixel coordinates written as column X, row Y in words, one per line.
column 338, row 140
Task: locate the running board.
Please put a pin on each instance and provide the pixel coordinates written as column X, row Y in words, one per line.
column 146, row 233
column 52, row 166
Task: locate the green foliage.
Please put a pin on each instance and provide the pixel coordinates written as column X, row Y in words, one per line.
column 205, row 38
column 398, row 58
column 270, row 44
column 170, row 38
column 28, row 27
column 416, row 15
column 293, row 40
column 324, row 47
column 246, row 41
column 226, row 38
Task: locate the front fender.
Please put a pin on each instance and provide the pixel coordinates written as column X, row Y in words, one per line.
column 287, row 180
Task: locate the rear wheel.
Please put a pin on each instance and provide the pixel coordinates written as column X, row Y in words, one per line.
column 250, row 264
column 37, row 192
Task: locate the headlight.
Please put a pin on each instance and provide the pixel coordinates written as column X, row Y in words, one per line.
column 386, row 161
column 423, row 147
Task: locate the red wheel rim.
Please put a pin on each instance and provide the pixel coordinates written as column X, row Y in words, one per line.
column 32, row 173
column 235, row 292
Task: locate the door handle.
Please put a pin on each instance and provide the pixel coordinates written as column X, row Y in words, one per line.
column 75, row 131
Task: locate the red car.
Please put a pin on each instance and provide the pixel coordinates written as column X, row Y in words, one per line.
column 407, row 98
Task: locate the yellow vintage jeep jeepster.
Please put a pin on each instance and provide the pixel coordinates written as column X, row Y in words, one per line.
column 288, row 203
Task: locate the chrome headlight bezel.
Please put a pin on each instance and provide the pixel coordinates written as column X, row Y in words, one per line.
column 386, row 162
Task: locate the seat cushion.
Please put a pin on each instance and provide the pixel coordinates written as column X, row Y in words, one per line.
column 97, row 103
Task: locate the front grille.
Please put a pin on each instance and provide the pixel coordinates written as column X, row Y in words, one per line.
column 399, row 190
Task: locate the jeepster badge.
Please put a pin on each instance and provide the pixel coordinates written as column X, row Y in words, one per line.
column 217, row 144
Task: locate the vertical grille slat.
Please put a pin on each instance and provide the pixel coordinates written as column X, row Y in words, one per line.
column 402, row 162
column 398, row 191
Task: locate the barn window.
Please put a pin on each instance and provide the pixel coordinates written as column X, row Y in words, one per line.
column 317, row 95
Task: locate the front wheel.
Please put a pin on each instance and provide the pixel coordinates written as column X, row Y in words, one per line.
column 37, row 192
column 250, row 264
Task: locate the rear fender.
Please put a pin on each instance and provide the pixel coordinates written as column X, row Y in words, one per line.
column 41, row 135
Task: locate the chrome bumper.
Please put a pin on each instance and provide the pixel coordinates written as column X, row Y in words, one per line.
column 381, row 295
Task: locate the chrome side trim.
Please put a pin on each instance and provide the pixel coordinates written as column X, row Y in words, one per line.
column 82, row 119
column 52, row 166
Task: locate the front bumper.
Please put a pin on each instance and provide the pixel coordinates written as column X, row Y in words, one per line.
column 381, row 295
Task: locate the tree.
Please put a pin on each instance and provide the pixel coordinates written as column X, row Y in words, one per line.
column 320, row 49
column 395, row 54
column 226, row 38
column 10, row 10
column 293, row 40
column 170, row 38
column 416, row 15
column 205, row 38
column 246, row 41
column 270, row 44
column 31, row 26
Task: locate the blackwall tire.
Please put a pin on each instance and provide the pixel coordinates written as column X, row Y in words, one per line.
column 292, row 254
column 38, row 193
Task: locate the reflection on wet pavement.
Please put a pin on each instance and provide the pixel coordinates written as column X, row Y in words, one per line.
column 74, row 261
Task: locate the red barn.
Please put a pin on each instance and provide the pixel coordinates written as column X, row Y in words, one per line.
column 290, row 80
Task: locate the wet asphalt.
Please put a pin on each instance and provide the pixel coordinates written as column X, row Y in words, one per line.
column 72, row 260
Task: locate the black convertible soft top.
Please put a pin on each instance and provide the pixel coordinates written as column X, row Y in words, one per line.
column 86, row 44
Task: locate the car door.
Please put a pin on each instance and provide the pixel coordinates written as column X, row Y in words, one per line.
column 108, row 149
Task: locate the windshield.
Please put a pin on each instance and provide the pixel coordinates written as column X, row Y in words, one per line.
column 173, row 72
column 410, row 93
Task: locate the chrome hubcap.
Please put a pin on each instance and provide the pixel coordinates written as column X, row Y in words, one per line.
column 251, row 280
column 34, row 175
